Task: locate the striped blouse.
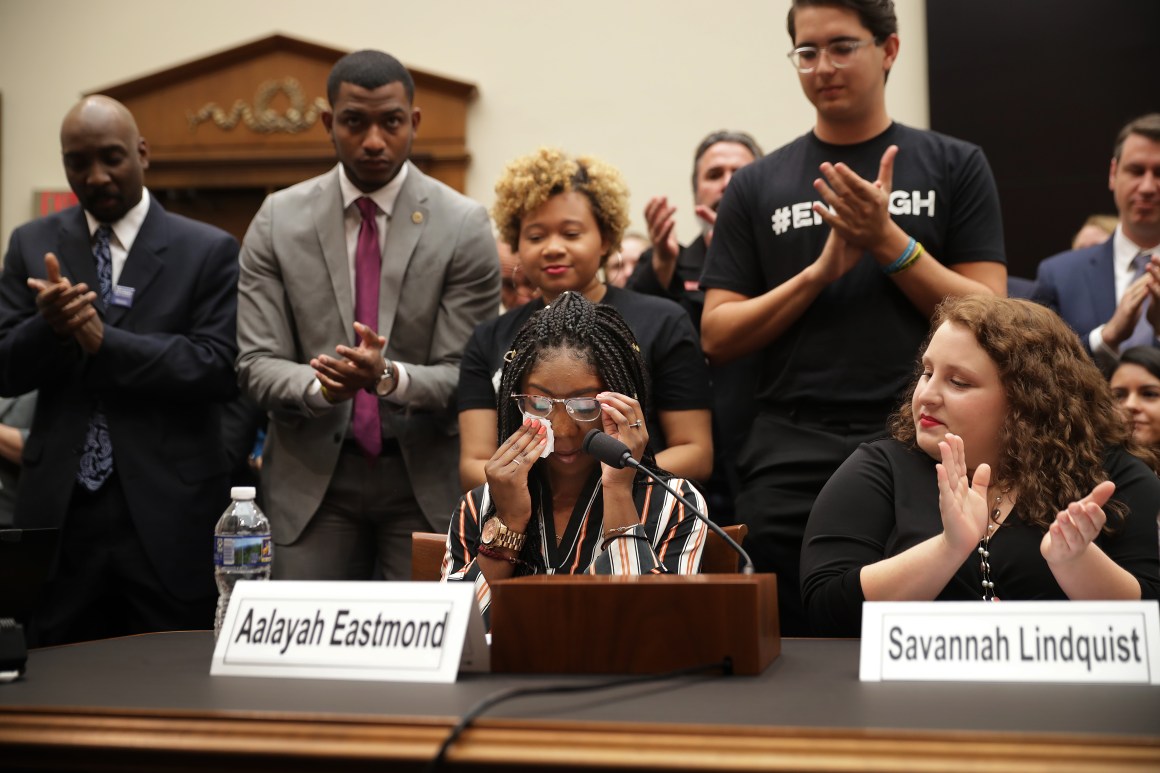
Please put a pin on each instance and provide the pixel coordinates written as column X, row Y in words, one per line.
column 669, row 539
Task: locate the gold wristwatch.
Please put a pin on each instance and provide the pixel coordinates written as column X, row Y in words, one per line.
column 496, row 535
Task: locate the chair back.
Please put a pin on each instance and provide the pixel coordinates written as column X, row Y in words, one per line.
column 427, row 550
column 718, row 557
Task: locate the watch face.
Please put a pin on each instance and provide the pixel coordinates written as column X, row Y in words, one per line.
column 383, row 386
column 489, row 530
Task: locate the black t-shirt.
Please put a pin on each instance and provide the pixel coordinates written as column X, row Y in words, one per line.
column 857, row 342
column 684, row 288
column 668, row 344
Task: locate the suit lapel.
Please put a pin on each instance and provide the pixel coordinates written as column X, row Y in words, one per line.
column 331, row 226
column 75, row 252
column 1102, row 280
column 143, row 262
column 408, row 220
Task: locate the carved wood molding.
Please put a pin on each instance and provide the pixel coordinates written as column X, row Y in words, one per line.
column 261, row 117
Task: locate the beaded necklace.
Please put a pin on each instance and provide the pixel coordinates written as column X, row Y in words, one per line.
column 985, row 552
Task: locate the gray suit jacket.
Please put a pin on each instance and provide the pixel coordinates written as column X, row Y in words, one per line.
column 440, row 279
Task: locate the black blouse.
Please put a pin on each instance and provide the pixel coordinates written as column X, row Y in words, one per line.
column 883, row 500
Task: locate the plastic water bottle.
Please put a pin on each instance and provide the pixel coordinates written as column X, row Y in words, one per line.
column 242, row 548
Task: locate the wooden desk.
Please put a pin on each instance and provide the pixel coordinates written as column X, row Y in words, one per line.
column 148, row 703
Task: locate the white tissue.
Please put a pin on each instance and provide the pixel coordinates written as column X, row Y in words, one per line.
column 547, row 425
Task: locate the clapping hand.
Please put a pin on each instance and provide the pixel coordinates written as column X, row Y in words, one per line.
column 1127, row 314
column 1076, row 526
column 837, row 258
column 659, row 215
column 358, row 368
column 66, row 307
column 861, row 209
column 964, row 506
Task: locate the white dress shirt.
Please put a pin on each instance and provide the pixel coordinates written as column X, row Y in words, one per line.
column 384, row 199
column 124, row 234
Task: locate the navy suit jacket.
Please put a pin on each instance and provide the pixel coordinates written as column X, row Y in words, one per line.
column 1080, row 285
column 163, row 364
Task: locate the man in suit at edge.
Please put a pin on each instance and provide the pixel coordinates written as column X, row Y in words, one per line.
column 357, row 294
column 123, row 317
column 1103, row 291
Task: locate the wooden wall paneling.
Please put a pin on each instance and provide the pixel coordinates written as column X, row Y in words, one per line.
column 227, row 129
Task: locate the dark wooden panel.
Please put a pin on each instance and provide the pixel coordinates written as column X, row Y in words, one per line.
column 559, row 624
column 1043, row 87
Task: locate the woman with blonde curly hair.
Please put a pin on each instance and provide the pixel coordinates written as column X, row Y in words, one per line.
column 1010, row 474
column 564, row 217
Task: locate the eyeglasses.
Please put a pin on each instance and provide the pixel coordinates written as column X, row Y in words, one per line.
column 840, row 53
column 579, row 408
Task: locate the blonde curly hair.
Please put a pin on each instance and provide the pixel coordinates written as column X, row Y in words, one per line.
column 529, row 181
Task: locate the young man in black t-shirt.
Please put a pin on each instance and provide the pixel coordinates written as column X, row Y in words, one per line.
column 832, row 277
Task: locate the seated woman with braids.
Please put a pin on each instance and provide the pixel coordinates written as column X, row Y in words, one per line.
column 1010, row 475
column 563, row 217
column 577, row 366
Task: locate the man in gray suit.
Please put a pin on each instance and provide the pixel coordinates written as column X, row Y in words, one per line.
column 358, row 291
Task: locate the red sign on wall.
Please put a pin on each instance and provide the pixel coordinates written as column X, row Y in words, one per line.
column 47, row 202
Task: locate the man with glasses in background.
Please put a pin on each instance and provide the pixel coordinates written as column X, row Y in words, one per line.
column 829, row 256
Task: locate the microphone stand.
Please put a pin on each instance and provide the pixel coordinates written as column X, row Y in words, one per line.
column 606, row 452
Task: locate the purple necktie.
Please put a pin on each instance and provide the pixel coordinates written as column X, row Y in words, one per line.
column 368, row 263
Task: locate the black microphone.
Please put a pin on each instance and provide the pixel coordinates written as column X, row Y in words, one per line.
column 608, row 449
column 612, row 452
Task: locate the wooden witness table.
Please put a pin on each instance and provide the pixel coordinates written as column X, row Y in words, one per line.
column 148, row 703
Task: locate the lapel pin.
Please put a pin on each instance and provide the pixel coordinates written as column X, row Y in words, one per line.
column 417, row 218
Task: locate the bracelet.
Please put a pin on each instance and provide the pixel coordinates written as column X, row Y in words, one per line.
column 906, row 259
column 325, row 394
column 494, row 554
column 618, row 531
column 911, row 260
column 609, row 540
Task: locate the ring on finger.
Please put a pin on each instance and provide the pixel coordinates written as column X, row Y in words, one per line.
column 635, row 423
column 517, row 460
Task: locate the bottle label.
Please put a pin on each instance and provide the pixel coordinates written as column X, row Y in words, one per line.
column 250, row 551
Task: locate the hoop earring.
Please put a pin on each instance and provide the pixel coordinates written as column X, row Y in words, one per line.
column 609, row 276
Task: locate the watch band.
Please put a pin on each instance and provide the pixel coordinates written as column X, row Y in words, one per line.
column 495, row 534
column 384, row 385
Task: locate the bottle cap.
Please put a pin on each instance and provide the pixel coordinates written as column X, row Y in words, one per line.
column 243, row 492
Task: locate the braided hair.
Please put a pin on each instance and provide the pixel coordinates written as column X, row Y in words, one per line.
column 575, row 327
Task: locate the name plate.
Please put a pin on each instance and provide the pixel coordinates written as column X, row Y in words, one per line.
column 385, row 631
column 1011, row 641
